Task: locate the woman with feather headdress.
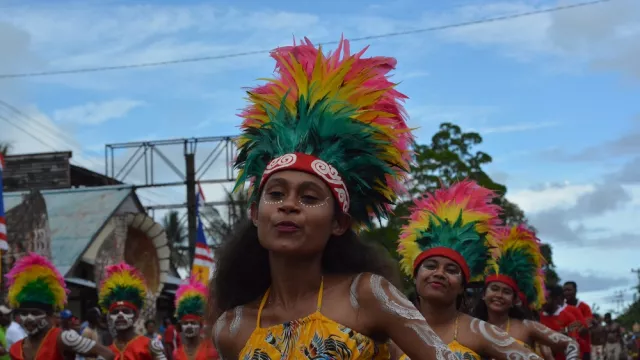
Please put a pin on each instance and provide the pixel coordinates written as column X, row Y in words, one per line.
column 325, row 146
column 446, row 245
column 36, row 291
column 515, row 282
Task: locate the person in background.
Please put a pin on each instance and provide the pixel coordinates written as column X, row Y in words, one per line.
column 598, row 338
column 91, row 330
column 5, row 321
column 15, row 332
column 559, row 318
column 150, row 329
column 613, row 347
column 190, row 303
column 171, row 338
column 570, row 290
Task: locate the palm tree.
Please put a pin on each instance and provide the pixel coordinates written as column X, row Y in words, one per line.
column 5, row 147
column 177, row 240
column 220, row 229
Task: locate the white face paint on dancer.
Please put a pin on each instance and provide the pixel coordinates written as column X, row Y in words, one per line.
column 190, row 328
column 122, row 318
column 34, row 321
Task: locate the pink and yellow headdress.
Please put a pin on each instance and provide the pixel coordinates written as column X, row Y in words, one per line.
column 34, row 282
column 336, row 116
column 458, row 222
column 191, row 300
column 123, row 285
column 518, row 263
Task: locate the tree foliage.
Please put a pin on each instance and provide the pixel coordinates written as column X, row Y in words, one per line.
column 5, row 148
column 220, row 227
column 177, row 240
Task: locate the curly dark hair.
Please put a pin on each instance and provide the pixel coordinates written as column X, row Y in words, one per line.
column 480, row 310
column 242, row 266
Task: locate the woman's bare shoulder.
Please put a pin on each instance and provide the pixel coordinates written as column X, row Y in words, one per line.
column 233, row 329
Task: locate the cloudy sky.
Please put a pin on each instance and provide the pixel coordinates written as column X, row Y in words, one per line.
column 554, row 95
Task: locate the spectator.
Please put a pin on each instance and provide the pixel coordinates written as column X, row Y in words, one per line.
column 91, row 330
column 15, row 332
column 171, row 338
column 150, row 329
column 5, row 321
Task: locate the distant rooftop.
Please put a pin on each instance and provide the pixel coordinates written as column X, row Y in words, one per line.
column 75, row 217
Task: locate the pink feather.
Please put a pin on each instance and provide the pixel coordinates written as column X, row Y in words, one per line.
column 28, row 261
column 192, row 285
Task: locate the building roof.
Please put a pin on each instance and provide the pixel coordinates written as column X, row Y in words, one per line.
column 75, row 217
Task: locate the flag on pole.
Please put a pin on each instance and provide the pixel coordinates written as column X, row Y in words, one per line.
column 203, row 260
column 4, row 246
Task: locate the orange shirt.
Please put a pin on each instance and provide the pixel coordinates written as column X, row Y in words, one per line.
column 48, row 348
column 206, row 351
column 136, row 349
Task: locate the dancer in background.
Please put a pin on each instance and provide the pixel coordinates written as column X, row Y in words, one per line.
column 35, row 291
column 325, row 145
column 514, row 284
column 557, row 316
column 121, row 296
column 191, row 301
column 446, row 245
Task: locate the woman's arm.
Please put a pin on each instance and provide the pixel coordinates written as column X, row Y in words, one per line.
column 157, row 350
column 497, row 344
column 390, row 313
column 225, row 334
column 70, row 340
column 556, row 341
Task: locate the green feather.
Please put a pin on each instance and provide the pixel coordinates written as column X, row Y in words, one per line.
column 36, row 291
column 349, row 146
column 520, row 266
column 463, row 239
column 193, row 305
column 123, row 293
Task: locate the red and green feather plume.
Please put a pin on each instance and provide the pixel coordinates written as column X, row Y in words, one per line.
column 122, row 285
column 191, row 300
column 35, row 280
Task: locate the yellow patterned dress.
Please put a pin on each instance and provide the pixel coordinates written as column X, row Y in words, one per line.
column 312, row 337
column 460, row 351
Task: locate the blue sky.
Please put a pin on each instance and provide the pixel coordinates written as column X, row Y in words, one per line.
column 554, row 95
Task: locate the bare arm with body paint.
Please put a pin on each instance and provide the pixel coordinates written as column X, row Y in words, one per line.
column 556, row 341
column 391, row 314
column 71, row 341
column 157, row 350
column 497, row 344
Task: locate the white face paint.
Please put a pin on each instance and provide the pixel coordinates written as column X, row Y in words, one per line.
column 34, row 322
column 121, row 319
column 190, row 329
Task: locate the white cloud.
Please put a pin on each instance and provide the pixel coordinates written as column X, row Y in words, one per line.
column 96, row 113
column 550, row 196
column 517, row 127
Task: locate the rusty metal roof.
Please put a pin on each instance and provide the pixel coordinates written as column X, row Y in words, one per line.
column 75, row 217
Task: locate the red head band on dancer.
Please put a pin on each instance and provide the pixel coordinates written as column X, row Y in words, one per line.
column 445, row 252
column 123, row 304
column 191, row 317
column 314, row 166
column 507, row 280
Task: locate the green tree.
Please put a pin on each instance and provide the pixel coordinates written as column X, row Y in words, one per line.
column 551, row 276
column 5, row 147
column 177, row 240
column 220, row 227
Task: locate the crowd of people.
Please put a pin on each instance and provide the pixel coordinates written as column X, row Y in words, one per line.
column 326, row 149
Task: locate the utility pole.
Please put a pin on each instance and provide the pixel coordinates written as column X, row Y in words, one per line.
column 637, row 272
column 192, row 225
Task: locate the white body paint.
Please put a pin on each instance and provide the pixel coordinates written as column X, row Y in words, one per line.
column 501, row 341
column 129, row 318
column 77, row 343
column 190, row 330
column 41, row 322
column 571, row 351
column 157, row 350
column 399, row 305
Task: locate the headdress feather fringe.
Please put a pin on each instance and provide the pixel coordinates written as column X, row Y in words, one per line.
column 191, row 298
column 340, row 108
column 518, row 256
column 35, row 279
column 461, row 218
column 122, row 282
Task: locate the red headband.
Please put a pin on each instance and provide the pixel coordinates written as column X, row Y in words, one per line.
column 507, row 280
column 449, row 254
column 124, row 304
column 191, row 317
column 314, row 166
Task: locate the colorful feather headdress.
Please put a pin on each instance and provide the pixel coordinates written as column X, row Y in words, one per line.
column 336, row 116
column 518, row 262
column 123, row 285
column 34, row 282
column 458, row 222
column 191, row 300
